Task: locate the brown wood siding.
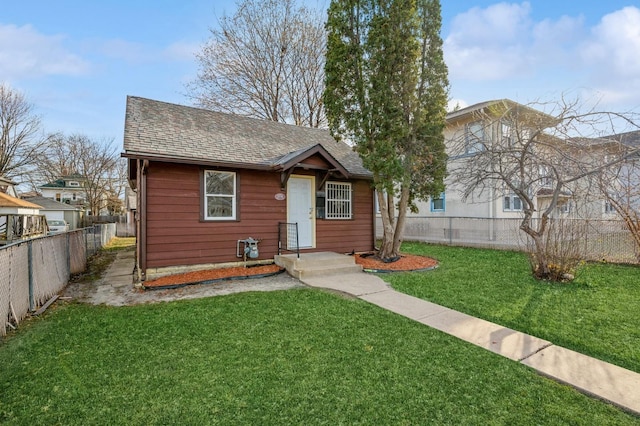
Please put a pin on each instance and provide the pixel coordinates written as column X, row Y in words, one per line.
column 344, row 236
column 316, row 160
column 176, row 234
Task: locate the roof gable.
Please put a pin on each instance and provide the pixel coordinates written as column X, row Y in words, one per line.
column 164, row 131
column 497, row 108
column 294, row 158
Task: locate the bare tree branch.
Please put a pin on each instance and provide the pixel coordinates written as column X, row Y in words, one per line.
column 266, row 61
column 96, row 162
column 21, row 139
column 544, row 159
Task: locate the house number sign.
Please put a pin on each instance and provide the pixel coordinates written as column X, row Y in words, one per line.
column 280, row 196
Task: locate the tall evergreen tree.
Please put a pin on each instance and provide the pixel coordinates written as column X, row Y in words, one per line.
column 386, row 90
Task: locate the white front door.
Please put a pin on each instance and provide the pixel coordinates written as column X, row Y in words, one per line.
column 300, row 208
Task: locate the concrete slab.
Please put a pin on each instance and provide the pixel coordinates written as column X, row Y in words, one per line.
column 598, row 378
column 403, row 304
column 119, row 269
column 496, row 338
column 357, row 284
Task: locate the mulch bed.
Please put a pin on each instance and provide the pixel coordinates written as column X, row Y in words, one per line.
column 369, row 262
column 406, row 263
column 209, row 275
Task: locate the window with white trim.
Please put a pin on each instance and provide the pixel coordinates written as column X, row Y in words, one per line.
column 512, row 203
column 219, row 195
column 505, row 130
column 338, row 200
column 546, row 176
column 475, row 138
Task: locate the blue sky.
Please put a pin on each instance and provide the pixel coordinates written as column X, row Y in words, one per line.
column 76, row 61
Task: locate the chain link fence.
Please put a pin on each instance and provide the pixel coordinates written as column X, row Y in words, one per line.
column 33, row 271
column 607, row 240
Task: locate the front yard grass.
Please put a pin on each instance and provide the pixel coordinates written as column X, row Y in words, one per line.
column 289, row 357
column 596, row 314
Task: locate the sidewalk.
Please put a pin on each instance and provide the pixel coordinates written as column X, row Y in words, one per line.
column 606, row 381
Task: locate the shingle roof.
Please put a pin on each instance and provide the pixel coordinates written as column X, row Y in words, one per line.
column 155, row 129
column 631, row 139
column 49, row 204
column 55, row 184
column 9, row 201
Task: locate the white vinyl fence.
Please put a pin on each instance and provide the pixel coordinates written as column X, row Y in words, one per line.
column 601, row 239
column 32, row 271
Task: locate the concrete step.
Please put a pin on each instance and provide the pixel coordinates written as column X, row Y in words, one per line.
column 317, row 264
column 320, row 271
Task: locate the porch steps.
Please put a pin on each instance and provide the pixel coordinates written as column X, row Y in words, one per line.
column 317, row 264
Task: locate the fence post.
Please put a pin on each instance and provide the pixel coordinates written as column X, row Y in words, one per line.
column 450, row 230
column 68, row 254
column 32, row 304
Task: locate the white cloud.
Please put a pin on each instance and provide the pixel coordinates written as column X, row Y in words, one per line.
column 616, row 41
column 138, row 53
column 127, row 51
column 182, row 51
column 26, row 53
column 612, row 54
column 487, row 44
column 503, row 41
column 456, row 104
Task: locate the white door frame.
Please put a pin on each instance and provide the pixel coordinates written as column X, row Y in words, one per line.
column 308, row 240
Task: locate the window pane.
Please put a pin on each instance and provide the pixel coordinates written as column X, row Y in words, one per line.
column 475, row 137
column 507, row 203
column 438, row 203
column 219, row 206
column 220, row 183
column 517, row 203
column 338, row 201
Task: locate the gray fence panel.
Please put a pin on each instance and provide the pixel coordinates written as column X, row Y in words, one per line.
column 5, row 288
column 77, row 252
column 51, row 262
column 50, row 269
column 606, row 240
column 14, row 289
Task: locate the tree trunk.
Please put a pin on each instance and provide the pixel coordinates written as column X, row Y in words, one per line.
column 387, row 213
column 538, row 256
column 392, row 236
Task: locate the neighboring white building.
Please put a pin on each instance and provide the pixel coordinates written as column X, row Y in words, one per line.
column 463, row 132
column 69, row 190
column 54, row 210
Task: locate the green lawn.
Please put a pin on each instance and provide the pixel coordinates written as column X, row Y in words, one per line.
column 597, row 314
column 291, row 357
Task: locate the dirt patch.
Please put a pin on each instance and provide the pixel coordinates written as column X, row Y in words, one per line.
column 119, row 290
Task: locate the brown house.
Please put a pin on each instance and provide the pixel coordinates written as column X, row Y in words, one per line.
column 207, row 181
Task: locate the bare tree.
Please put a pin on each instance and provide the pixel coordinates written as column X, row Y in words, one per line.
column 540, row 161
column 21, row 139
column 266, row 61
column 620, row 185
column 95, row 162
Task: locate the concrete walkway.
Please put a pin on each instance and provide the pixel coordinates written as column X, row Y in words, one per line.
column 606, row 381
